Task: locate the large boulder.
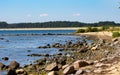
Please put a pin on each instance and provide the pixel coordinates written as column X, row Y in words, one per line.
column 68, row 70
column 14, row 65
column 80, row 63
column 1, row 66
column 52, row 73
column 52, row 67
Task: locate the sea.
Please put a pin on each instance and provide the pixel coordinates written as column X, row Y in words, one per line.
column 17, row 44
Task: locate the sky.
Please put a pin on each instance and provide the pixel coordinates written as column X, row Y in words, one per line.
column 88, row 11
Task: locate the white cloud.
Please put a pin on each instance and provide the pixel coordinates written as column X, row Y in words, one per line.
column 43, row 15
column 29, row 15
column 77, row 14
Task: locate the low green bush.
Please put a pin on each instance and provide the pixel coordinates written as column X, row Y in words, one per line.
column 115, row 34
column 80, row 31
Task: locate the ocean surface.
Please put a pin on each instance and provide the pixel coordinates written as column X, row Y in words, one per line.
column 15, row 44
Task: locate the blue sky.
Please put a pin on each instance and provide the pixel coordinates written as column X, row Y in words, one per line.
column 89, row 11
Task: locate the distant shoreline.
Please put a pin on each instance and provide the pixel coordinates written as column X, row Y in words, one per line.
column 67, row 28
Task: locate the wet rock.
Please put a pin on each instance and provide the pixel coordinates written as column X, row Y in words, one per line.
column 14, row 65
column 52, row 67
column 80, row 63
column 28, row 50
column 59, row 54
column 2, row 66
column 52, row 73
column 21, row 72
column 57, row 45
column 5, row 58
column 47, row 55
column 61, row 49
column 34, row 55
column 68, row 70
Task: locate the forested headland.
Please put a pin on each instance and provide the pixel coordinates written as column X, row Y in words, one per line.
column 57, row 24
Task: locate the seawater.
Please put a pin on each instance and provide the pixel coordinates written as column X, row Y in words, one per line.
column 16, row 47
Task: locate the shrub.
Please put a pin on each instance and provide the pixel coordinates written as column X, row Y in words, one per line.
column 115, row 34
column 90, row 29
column 94, row 30
column 80, row 31
column 105, row 28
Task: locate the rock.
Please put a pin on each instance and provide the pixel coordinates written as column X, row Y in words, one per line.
column 99, row 70
column 14, row 65
column 63, row 67
column 102, row 65
column 62, row 60
column 28, row 50
column 79, row 72
column 52, row 73
column 83, row 50
column 1, row 66
column 47, row 55
column 41, row 61
column 115, row 39
column 21, row 71
column 11, row 72
column 57, row 45
column 34, row 55
column 5, row 58
column 94, row 48
column 68, row 70
column 80, row 63
column 52, row 67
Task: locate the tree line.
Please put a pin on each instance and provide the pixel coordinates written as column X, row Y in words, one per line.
column 57, row 24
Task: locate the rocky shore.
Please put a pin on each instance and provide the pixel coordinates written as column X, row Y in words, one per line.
column 99, row 57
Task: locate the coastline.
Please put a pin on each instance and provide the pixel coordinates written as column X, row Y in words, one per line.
column 66, row 28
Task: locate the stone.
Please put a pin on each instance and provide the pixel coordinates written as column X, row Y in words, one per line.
column 52, row 67
column 115, row 39
column 5, row 58
column 80, row 63
column 102, row 65
column 94, row 48
column 14, row 65
column 1, row 66
column 21, row 71
column 63, row 67
column 99, row 70
column 41, row 61
column 52, row 73
column 79, row 72
column 68, row 70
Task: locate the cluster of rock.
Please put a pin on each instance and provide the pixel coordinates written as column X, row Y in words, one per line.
column 84, row 59
column 13, row 68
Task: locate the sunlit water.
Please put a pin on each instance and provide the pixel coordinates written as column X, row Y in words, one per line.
column 16, row 47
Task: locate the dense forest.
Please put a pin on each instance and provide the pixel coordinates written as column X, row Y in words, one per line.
column 56, row 24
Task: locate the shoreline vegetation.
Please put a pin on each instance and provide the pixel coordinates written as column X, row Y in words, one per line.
column 101, row 57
